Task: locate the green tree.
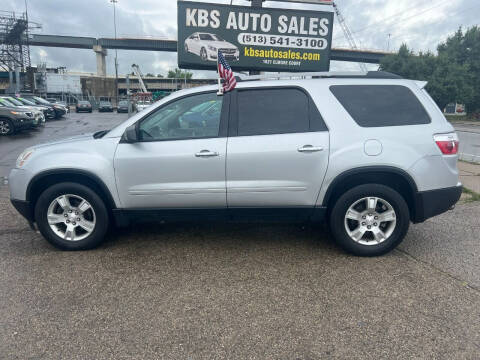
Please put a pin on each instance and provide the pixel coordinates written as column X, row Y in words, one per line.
column 453, row 74
column 179, row 74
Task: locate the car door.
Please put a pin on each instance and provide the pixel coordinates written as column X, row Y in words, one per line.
column 277, row 152
column 179, row 160
column 195, row 43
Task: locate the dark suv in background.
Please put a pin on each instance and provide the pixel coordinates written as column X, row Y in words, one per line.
column 105, row 106
column 59, row 109
column 13, row 119
column 48, row 111
column 83, row 106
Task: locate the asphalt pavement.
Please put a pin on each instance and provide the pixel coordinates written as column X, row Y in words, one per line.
column 235, row 291
column 70, row 125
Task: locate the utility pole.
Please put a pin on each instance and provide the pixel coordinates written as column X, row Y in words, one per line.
column 116, row 61
column 256, row 4
column 388, row 42
column 127, row 79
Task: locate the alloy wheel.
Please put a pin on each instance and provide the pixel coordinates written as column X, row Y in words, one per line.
column 370, row 220
column 4, row 127
column 71, row 217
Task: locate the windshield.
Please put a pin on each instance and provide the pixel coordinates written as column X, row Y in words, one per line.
column 123, row 103
column 84, row 103
column 26, row 102
column 14, row 101
column 104, row 103
column 6, row 102
column 42, row 101
column 207, row 37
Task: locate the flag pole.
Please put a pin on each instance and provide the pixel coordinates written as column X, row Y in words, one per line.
column 220, row 87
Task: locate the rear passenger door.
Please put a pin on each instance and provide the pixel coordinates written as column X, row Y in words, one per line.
column 277, row 151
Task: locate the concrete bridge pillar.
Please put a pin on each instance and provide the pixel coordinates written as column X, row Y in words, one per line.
column 101, row 64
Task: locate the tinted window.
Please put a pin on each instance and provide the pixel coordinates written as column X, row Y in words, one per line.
column 276, row 111
column 192, row 117
column 381, row 105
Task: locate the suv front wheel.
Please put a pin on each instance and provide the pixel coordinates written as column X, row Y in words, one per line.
column 71, row 216
column 370, row 220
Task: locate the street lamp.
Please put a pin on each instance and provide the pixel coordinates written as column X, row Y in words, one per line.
column 116, row 61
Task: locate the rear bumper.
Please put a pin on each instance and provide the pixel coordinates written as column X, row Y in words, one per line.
column 435, row 202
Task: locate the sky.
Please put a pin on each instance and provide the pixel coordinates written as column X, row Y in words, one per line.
column 375, row 24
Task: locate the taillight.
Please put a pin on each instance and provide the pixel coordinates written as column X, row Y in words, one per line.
column 447, row 143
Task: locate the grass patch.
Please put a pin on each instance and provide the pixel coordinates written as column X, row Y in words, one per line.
column 472, row 195
column 454, row 118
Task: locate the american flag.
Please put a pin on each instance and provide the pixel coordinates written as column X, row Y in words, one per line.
column 226, row 73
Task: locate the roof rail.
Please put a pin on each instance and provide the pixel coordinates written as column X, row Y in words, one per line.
column 317, row 75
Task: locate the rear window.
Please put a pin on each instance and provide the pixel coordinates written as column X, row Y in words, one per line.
column 381, row 105
column 276, row 111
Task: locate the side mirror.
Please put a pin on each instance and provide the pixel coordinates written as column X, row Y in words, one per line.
column 131, row 134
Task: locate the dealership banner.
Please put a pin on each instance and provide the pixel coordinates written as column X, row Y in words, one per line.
column 266, row 39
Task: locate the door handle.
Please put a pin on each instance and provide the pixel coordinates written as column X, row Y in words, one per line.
column 206, row 153
column 309, row 148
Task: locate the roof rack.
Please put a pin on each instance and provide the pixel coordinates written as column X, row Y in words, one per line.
column 318, row 75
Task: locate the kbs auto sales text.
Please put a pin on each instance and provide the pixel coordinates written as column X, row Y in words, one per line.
column 244, row 21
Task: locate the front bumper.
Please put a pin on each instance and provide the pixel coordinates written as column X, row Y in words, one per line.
column 60, row 112
column 212, row 55
column 23, row 123
column 435, row 202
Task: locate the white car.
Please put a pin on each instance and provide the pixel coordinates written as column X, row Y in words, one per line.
column 207, row 46
column 142, row 105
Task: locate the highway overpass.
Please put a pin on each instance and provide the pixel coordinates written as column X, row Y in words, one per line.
column 101, row 45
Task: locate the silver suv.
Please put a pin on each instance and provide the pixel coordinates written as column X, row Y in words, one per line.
column 368, row 153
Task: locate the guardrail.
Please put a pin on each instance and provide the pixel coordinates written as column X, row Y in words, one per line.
column 469, row 145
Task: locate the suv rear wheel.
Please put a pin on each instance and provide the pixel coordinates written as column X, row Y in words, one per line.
column 370, row 220
column 71, row 216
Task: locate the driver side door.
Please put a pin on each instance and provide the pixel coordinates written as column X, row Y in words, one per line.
column 179, row 160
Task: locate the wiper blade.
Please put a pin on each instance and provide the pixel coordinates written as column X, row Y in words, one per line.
column 100, row 134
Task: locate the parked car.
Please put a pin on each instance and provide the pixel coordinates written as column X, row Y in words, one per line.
column 143, row 104
column 48, row 111
column 207, row 46
column 59, row 110
column 39, row 118
column 105, row 106
column 122, row 106
column 83, row 106
column 13, row 119
column 369, row 154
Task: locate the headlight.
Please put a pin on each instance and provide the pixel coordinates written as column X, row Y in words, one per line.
column 17, row 113
column 24, row 157
column 213, row 48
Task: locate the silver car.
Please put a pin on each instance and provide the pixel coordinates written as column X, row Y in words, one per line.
column 368, row 153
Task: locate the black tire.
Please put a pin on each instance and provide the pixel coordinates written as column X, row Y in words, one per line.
column 203, row 54
column 339, row 211
column 7, row 127
column 101, row 215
